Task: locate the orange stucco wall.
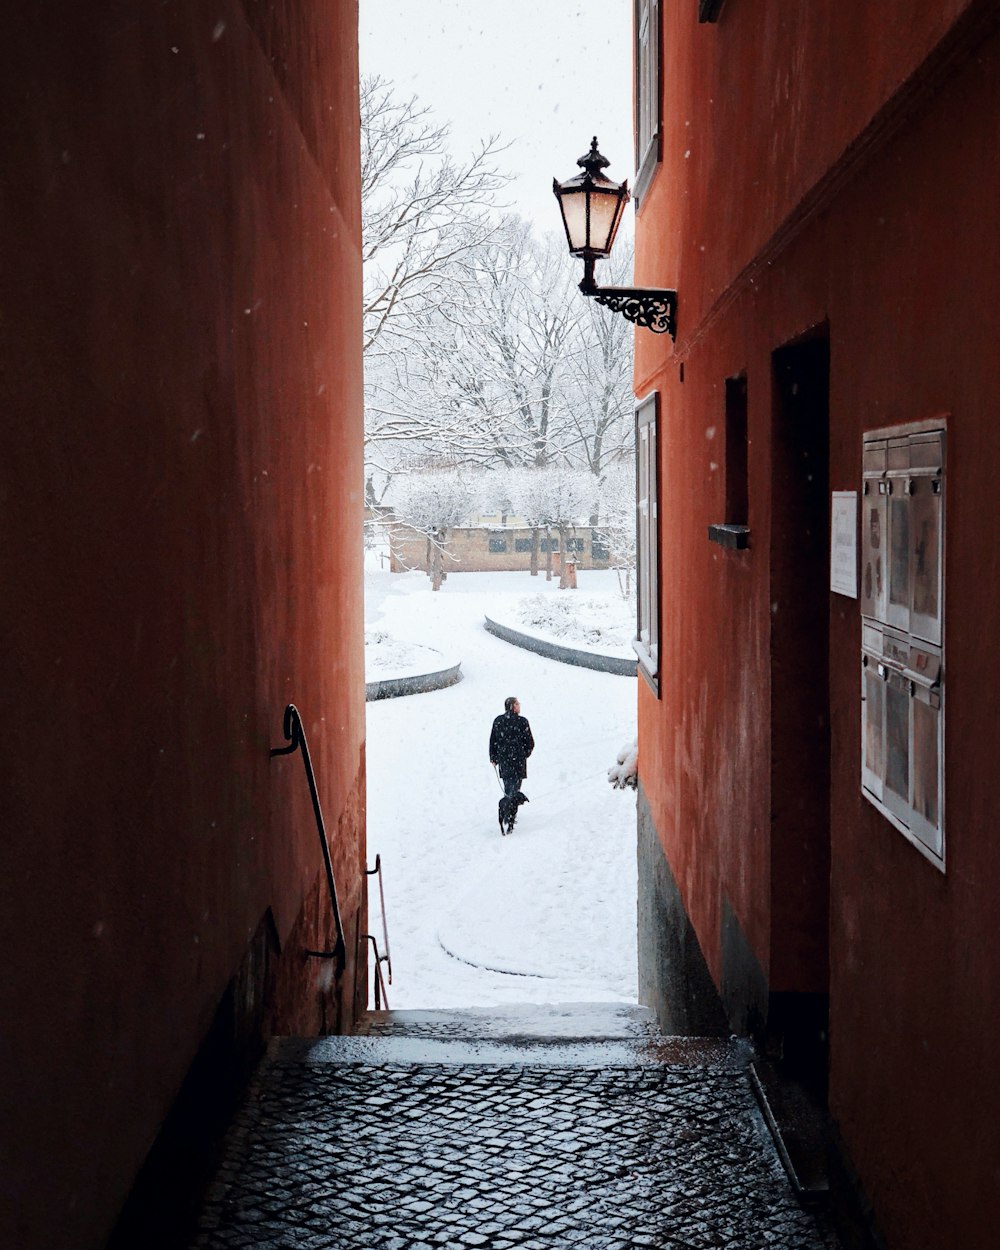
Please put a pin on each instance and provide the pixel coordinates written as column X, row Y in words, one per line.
column 181, row 377
column 836, row 165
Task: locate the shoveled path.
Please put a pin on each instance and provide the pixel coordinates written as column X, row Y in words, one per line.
column 538, row 1128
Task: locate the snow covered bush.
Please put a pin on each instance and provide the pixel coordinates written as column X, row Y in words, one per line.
column 386, row 654
column 625, row 774
column 593, row 620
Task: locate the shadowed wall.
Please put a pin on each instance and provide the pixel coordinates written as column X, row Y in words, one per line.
column 180, row 498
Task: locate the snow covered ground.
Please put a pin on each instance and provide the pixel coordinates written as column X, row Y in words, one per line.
column 548, row 914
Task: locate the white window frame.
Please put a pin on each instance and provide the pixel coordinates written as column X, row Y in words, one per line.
column 648, row 94
column 647, row 512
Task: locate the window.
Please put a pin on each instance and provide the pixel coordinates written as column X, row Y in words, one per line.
column 575, row 544
column 498, row 544
column 737, row 493
column 735, row 532
column 647, row 94
column 549, row 544
column 599, row 548
column 647, row 643
column 522, row 544
column 902, row 655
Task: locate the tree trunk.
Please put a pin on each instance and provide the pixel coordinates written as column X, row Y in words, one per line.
column 563, row 579
column 536, row 535
column 548, row 554
column 437, row 547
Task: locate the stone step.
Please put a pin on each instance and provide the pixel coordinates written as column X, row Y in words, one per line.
column 566, row 1034
column 547, row 1022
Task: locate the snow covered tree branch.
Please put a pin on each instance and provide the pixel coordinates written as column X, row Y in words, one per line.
column 423, row 213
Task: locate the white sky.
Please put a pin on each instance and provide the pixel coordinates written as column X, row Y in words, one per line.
column 546, row 74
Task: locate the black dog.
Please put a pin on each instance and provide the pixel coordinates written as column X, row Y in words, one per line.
column 507, row 810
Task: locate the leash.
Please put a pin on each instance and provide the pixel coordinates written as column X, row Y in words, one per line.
column 496, row 773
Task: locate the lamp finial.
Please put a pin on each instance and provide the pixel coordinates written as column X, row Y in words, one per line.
column 593, row 162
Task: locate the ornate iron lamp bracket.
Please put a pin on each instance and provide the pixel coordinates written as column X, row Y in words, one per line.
column 653, row 308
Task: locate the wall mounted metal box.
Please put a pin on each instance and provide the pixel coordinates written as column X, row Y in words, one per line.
column 902, row 607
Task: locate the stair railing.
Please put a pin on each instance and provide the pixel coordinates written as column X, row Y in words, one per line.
column 387, row 957
column 380, row 992
column 296, row 736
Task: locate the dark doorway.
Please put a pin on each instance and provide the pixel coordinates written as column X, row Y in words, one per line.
column 800, row 707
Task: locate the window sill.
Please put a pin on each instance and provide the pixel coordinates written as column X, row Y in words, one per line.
column 647, row 667
column 735, row 537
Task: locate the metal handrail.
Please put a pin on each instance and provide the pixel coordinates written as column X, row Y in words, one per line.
column 387, row 957
column 382, row 997
column 296, row 735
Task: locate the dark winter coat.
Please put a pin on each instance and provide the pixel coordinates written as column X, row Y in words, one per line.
column 510, row 745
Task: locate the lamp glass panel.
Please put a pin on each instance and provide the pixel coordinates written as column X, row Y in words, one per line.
column 603, row 220
column 619, row 214
column 574, row 211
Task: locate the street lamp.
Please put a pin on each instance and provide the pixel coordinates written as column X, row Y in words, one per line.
column 592, row 207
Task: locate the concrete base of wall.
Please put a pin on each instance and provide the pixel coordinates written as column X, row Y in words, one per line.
column 675, row 982
column 275, row 989
column 744, row 986
column 161, row 1209
column 673, row 976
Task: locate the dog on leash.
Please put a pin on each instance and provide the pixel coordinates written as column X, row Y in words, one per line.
column 507, row 810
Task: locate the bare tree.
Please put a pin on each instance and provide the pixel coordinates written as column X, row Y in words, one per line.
column 616, row 519
column 425, row 218
column 599, row 381
column 571, row 498
column 432, row 503
column 423, row 213
column 489, row 387
column 554, row 497
column 520, row 341
column 478, row 348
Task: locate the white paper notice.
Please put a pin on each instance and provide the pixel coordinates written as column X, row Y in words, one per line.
column 844, row 543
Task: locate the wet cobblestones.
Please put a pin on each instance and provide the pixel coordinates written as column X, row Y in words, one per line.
column 525, row 1156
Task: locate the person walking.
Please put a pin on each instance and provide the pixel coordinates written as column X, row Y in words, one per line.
column 511, row 743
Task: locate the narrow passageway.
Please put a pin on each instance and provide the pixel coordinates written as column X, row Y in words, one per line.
column 517, row 1125
column 533, row 1128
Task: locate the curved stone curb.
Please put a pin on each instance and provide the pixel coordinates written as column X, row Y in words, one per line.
column 619, row 665
column 419, row 683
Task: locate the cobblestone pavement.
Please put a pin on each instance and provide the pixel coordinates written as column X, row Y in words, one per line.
column 334, row 1154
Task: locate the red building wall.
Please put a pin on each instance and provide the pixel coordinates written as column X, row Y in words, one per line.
column 180, row 493
column 831, row 170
